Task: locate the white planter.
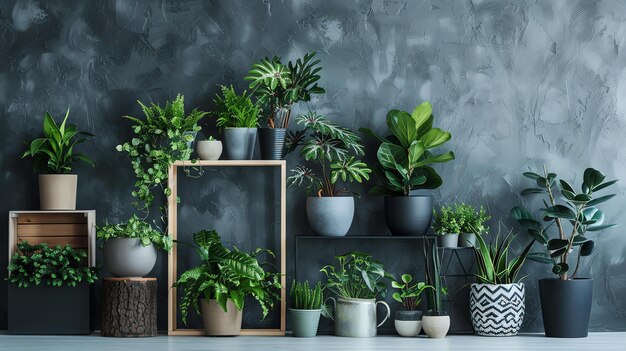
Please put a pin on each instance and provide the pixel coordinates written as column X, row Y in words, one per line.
column 497, row 310
column 209, row 149
column 436, row 327
column 57, row 191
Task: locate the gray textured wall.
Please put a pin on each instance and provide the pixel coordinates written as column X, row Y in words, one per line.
column 518, row 83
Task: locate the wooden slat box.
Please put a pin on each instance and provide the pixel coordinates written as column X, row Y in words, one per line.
column 76, row 228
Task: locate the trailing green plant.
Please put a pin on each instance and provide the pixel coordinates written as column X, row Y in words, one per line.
column 303, row 297
column 279, row 86
column 357, row 276
column 404, row 158
column 57, row 266
column 234, row 110
column 335, row 151
column 136, row 228
column 224, row 275
column 433, row 278
column 54, row 152
column 570, row 216
column 160, row 139
column 410, row 296
column 460, row 218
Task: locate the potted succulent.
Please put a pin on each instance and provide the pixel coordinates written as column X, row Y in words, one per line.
column 473, row 224
column 408, row 322
column 277, row 87
column 48, row 290
column 497, row 301
column 447, row 225
column 403, row 169
column 130, row 248
column 222, row 281
column 335, row 150
column 209, row 149
column 53, row 157
column 356, row 282
column 305, row 308
column 568, row 216
column 436, row 322
column 238, row 117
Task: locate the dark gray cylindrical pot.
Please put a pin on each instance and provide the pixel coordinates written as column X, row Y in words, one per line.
column 449, row 240
column 467, row 240
column 566, row 307
column 408, row 215
column 271, row 142
column 239, row 143
column 304, row 323
column 330, row 215
column 126, row 257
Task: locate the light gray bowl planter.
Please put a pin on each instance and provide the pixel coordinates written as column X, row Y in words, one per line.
column 497, row 310
column 330, row 216
column 209, row 149
column 436, row 327
column 304, row 323
column 239, row 143
column 467, row 240
column 449, row 240
column 408, row 215
column 126, row 257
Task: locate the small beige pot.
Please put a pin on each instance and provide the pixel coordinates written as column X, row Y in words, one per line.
column 436, row 327
column 220, row 323
column 57, row 191
column 209, row 149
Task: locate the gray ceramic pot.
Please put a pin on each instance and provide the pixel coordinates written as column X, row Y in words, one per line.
column 330, row 216
column 239, row 143
column 408, row 215
column 271, row 142
column 449, row 240
column 467, row 240
column 408, row 323
column 126, row 257
column 357, row 317
column 566, row 306
column 304, row 322
column 209, row 149
column 219, row 323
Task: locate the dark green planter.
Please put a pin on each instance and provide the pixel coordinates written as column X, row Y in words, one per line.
column 566, row 307
column 304, row 322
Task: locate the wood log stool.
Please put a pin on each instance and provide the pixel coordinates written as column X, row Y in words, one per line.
column 129, row 307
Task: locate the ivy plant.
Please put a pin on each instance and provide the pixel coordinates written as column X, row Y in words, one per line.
column 234, row 110
column 357, row 276
column 136, row 228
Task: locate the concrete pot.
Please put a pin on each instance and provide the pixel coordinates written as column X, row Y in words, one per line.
column 330, row 216
column 57, row 191
column 497, row 309
column 436, row 327
column 408, row 323
column 239, row 143
column 449, row 240
column 566, row 307
column 126, row 257
column 304, row 323
column 408, row 215
column 209, row 149
column 271, row 142
column 357, row 317
column 467, row 240
column 220, row 323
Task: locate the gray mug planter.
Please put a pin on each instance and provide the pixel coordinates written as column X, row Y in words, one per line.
column 304, row 323
column 330, row 216
column 408, row 215
column 357, row 318
column 497, row 310
column 239, row 143
column 408, row 323
column 467, row 240
column 449, row 240
column 126, row 257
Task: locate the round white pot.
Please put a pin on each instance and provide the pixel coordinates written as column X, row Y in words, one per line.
column 209, row 149
column 436, row 327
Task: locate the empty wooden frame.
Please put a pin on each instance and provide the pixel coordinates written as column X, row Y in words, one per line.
column 172, row 229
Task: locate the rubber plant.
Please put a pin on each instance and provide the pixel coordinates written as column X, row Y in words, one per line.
column 567, row 216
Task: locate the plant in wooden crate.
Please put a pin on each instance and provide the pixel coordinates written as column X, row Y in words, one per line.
column 568, row 215
column 305, row 308
column 53, row 156
column 408, row 322
column 222, row 281
column 436, row 322
column 335, row 151
column 356, row 281
column 46, row 282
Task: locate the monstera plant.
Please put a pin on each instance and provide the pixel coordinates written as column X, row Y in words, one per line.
column 566, row 218
column 405, row 161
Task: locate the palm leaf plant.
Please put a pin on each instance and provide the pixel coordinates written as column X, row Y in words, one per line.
column 410, row 296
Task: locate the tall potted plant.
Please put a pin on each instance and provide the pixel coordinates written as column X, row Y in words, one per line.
column 238, row 117
column 278, row 87
column 568, row 217
column 222, row 281
column 335, row 151
column 305, row 308
column 408, row 322
column 53, row 158
column 404, row 160
column 356, row 281
column 436, row 322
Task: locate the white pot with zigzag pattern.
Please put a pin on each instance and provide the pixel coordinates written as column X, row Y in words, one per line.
column 497, row 310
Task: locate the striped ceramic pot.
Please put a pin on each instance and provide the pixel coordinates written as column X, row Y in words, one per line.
column 497, row 310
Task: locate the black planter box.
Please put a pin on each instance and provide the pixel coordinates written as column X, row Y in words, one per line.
column 47, row 310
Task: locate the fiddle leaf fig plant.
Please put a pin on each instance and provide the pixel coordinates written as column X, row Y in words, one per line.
column 357, row 276
column 405, row 157
column 568, row 215
column 410, row 296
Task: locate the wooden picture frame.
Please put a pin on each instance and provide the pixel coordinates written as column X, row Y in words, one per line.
column 172, row 230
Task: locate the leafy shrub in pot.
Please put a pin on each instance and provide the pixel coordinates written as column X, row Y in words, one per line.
column 408, row 322
column 305, row 308
column 238, row 118
column 459, row 224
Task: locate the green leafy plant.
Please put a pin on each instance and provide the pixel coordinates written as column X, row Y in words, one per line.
column 160, row 139
column 136, row 228
column 54, row 152
column 333, row 148
column 358, row 276
column 404, row 158
column 410, row 296
column 575, row 211
column 226, row 275
column 279, row 86
column 433, row 278
column 460, row 218
column 211, row 138
column 303, row 297
column 234, row 110
column 57, row 266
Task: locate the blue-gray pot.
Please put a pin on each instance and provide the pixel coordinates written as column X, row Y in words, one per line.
column 126, row 257
column 408, row 215
column 304, row 323
column 239, row 143
column 330, row 215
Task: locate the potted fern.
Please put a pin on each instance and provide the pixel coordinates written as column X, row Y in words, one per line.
column 408, row 322
column 53, row 158
column 335, row 151
column 305, row 308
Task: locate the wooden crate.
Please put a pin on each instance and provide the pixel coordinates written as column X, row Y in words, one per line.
column 76, row 228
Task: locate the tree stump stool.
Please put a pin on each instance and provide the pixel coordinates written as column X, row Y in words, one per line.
column 129, row 307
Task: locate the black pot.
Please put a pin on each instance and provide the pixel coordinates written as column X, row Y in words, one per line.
column 272, row 141
column 566, row 306
column 408, row 215
column 405, row 315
